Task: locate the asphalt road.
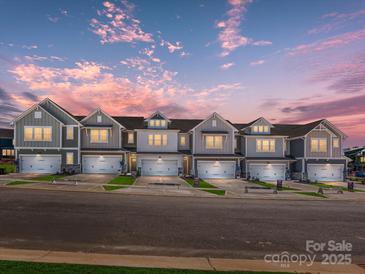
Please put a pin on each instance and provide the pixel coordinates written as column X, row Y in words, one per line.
column 128, row 224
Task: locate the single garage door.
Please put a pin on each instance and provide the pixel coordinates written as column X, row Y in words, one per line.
column 40, row 163
column 159, row 167
column 267, row 172
column 216, row 169
column 325, row 172
column 101, row 164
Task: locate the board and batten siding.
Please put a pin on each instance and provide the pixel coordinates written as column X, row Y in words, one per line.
column 297, row 147
column 59, row 114
column 251, row 147
column 199, row 138
column 318, row 134
column 114, row 132
column 70, row 143
column 142, row 141
column 45, row 121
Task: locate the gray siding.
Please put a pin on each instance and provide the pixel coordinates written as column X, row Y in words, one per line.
column 125, row 140
column 59, row 114
column 29, row 120
column 318, row 134
column 187, row 141
column 114, row 133
column 251, row 147
column 142, row 141
column 70, row 143
column 243, row 145
column 207, row 126
column 297, row 148
column 337, row 152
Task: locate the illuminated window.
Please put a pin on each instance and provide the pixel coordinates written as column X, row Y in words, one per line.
column 28, row 134
column 157, row 123
column 99, row 135
column 157, row 139
column 8, row 152
column 182, row 140
column 164, row 139
column 318, row 145
column 214, row 142
column 69, row 158
column 163, row 123
column 362, row 159
column 336, row 142
column 47, row 134
column 152, row 123
column 265, row 145
column 69, row 133
column 37, row 131
column 130, row 137
column 150, row 139
column 38, row 134
column 261, row 129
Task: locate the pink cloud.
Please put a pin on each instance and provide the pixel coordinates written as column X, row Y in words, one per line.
column 119, row 25
column 229, row 36
column 262, row 43
column 332, row 42
column 227, row 66
column 257, row 62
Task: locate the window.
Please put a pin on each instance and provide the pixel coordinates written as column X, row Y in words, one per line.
column 318, row 145
column 261, row 129
column 265, row 145
column 130, row 137
column 163, row 123
column 336, row 143
column 99, row 119
column 69, row 158
column 214, row 123
column 69, row 133
column 99, row 136
column 362, row 159
column 182, row 140
column 214, row 142
column 152, row 123
column 157, row 123
column 157, row 139
column 37, row 115
column 8, row 152
column 38, row 134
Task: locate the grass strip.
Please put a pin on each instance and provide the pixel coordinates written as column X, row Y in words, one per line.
column 123, row 180
column 272, row 186
column 15, row 183
column 111, row 188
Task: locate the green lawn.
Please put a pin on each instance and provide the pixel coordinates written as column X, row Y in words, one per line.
column 123, row 180
column 323, row 185
column 48, row 178
column 221, row 192
column 9, row 168
column 270, row 185
column 111, row 188
column 314, row 194
column 15, row 183
column 14, row 267
column 203, row 184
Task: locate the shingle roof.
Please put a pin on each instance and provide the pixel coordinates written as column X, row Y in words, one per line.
column 7, row 133
column 184, row 124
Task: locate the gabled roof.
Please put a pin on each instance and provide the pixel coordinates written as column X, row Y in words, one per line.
column 36, row 106
column 158, row 113
column 61, row 108
column 215, row 114
column 106, row 114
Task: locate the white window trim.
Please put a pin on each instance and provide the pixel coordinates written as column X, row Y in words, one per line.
column 68, row 137
column 214, row 147
column 163, row 138
column 152, row 123
column 33, row 140
column 99, row 141
column 318, row 145
column 272, row 145
column 261, row 129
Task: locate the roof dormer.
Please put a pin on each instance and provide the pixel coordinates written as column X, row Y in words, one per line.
column 260, row 126
column 157, row 121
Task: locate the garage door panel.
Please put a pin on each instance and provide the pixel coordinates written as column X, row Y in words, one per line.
column 101, row 164
column 216, row 169
column 267, row 172
column 40, row 163
column 159, row 168
column 325, row 172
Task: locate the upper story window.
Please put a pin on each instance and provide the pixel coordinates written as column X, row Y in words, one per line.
column 99, row 135
column 318, row 145
column 38, row 134
column 214, row 142
column 157, row 123
column 362, row 159
column 130, row 137
column 265, row 145
column 99, row 119
column 336, row 142
column 182, row 140
column 260, row 129
column 214, row 123
column 157, row 139
column 69, row 133
column 37, row 114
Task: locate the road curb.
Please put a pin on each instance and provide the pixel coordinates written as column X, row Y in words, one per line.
column 196, row 263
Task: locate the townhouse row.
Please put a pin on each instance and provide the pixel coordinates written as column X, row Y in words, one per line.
column 49, row 139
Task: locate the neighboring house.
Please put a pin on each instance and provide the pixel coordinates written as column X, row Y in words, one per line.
column 6, row 144
column 50, row 139
column 357, row 156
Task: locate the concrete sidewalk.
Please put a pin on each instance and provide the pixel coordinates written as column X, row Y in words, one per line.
column 196, row 263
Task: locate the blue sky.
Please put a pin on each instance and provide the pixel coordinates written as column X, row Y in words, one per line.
column 289, row 61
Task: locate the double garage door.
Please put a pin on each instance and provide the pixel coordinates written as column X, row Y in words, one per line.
column 267, row 172
column 101, row 164
column 159, row 167
column 216, row 169
column 40, row 163
column 325, row 172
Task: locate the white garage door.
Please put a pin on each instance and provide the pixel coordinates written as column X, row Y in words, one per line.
column 159, row 167
column 101, row 164
column 267, row 172
column 40, row 163
column 216, row 169
column 325, row 172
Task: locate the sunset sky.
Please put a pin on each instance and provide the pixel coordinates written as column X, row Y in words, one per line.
column 288, row 61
